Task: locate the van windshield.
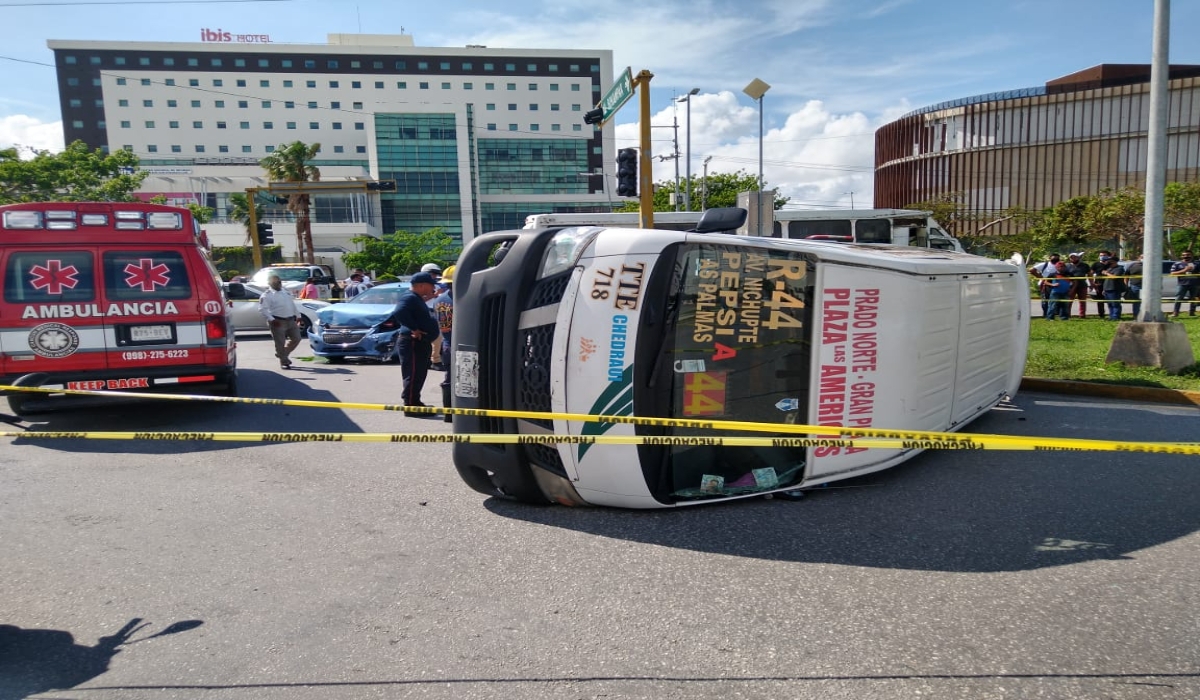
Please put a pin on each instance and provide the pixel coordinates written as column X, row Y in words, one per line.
column 735, row 345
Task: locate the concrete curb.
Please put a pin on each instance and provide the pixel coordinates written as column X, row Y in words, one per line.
column 1112, row 391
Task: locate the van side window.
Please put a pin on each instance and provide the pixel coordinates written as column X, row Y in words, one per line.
column 49, row 277
column 873, row 231
column 145, row 275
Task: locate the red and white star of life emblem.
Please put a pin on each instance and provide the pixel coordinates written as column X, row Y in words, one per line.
column 53, row 277
column 146, row 275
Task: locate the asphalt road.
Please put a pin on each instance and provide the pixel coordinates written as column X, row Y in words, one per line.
column 345, row 570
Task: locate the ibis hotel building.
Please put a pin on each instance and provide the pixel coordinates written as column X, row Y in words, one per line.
column 474, row 138
column 1033, row 148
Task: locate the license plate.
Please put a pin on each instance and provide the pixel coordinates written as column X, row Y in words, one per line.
column 466, row 374
column 141, row 334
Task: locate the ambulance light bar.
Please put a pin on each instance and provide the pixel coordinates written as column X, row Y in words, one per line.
column 61, row 219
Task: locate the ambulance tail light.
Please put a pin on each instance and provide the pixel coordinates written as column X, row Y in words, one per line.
column 215, row 330
column 164, row 220
column 130, row 220
column 60, row 220
column 23, row 219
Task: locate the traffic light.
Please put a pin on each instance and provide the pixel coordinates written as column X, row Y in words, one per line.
column 265, row 235
column 594, row 116
column 627, row 172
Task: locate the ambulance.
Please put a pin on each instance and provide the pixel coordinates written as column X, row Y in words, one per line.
column 708, row 326
column 109, row 296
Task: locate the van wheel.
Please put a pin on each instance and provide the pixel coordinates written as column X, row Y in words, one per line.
column 17, row 404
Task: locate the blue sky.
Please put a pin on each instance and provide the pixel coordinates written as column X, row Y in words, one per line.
column 838, row 69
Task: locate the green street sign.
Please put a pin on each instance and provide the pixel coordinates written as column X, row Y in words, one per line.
column 618, row 94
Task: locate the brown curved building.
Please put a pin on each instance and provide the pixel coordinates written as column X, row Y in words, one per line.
column 1033, row 148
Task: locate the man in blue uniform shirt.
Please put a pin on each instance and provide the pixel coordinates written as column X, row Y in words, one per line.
column 415, row 344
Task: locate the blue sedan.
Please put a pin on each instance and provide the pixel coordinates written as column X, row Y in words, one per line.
column 365, row 326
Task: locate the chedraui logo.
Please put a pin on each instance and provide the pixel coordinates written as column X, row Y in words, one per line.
column 615, row 400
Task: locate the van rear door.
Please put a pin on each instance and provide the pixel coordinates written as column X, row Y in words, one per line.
column 52, row 316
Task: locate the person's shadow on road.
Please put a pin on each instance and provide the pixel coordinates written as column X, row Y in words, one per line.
column 35, row 661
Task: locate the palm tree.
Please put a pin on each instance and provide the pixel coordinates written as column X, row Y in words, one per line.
column 289, row 164
column 239, row 211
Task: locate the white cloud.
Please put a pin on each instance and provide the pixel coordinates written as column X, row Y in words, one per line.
column 816, row 157
column 27, row 132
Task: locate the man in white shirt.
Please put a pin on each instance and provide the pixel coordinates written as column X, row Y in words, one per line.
column 278, row 307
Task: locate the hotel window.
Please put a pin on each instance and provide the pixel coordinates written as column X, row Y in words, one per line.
column 169, row 82
column 445, row 86
column 244, row 104
column 553, row 87
column 223, row 149
column 94, row 60
column 357, row 105
column 339, row 149
column 221, row 125
column 489, row 86
column 355, row 84
column 575, row 69
column 554, row 107
column 532, row 67
column 76, row 103
column 402, row 85
column 152, row 148
column 286, row 63
column 291, row 125
column 574, row 87
column 264, row 63
column 289, row 105
column 219, row 104
column 239, row 63
column 510, row 67
column 423, row 86
column 145, row 81
column 511, row 86
column 96, row 82
column 512, row 127
column 468, row 86
column 143, row 61
column 422, row 65
column 74, row 82
column 489, row 66
column 378, row 84
column 168, row 61
column 269, row 149
column 125, row 103
column 176, row 148
column 574, row 108
column 444, row 65
column 576, row 127
column 312, row 104
column 333, row 83
column 199, row 149
column 314, row 125
column 360, row 126
column 195, row 103
column 335, row 105
column 309, row 63
column 467, row 66
column 331, row 64
column 264, row 83
column 556, row 127
column 127, row 147
column 246, row 149
column 99, row 103
column 197, row 125
column 512, row 107
column 491, row 107
column 287, row 83
column 491, row 127
column 101, row 124
column 124, row 125
column 268, row 125
column 266, row 104
column 533, row 108
column 149, row 125
column 377, row 65
column 216, row 63
column 360, row 149
column 217, row 82
column 172, row 125
column 193, row 82
column 533, row 86
column 193, row 62
column 337, row 126
column 533, row 127
column 356, row 64
column 70, row 60
column 310, row 83
column 243, row 125
column 401, row 65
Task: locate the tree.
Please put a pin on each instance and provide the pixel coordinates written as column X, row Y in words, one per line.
column 949, row 211
column 1118, row 215
column 1181, row 214
column 76, row 174
column 239, row 211
column 200, row 213
column 289, row 163
column 403, row 253
column 722, row 191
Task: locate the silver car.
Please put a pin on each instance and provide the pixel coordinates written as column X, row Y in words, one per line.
column 246, row 317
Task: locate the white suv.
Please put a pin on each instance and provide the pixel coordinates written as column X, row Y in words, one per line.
column 294, row 276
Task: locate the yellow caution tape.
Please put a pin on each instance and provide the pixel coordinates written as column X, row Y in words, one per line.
column 961, row 442
column 852, row 436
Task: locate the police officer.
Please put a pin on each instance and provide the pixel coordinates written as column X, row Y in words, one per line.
column 415, row 344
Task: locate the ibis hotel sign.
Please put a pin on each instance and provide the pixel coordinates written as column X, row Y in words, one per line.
column 222, row 36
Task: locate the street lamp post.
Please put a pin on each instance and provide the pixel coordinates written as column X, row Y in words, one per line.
column 704, row 189
column 756, row 89
column 687, row 198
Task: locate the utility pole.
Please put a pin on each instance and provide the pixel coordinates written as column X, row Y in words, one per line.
column 851, row 198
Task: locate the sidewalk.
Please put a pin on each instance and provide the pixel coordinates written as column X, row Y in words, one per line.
column 1112, row 391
